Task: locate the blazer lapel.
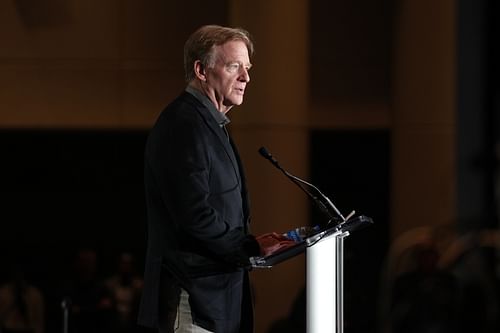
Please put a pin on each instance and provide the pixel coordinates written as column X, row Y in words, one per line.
column 232, row 152
column 244, row 191
column 220, row 133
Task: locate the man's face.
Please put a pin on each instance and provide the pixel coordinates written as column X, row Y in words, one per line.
column 228, row 78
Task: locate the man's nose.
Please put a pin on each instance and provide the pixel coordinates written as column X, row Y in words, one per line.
column 245, row 76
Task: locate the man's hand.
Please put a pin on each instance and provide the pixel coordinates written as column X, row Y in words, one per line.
column 272, row 242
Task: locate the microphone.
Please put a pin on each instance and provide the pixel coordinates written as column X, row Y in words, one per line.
column 267, row 155
column 324, row 204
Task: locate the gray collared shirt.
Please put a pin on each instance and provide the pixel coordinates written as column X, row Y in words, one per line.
column 220, row 117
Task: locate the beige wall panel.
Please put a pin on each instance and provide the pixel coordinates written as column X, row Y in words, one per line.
column 146, row 92
column 350, row 51
column 281, row 58
column 132, row 49
column 273, row 102
column 150, row 30
column 423, row 193
column 424, row 62
column 59, row 98
column 59, row 29
column 423, row 124
column 159, row 28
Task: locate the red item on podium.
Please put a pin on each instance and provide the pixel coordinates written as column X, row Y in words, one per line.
column 272, row 242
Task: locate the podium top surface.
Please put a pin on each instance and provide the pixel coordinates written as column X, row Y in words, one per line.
column 348, row 226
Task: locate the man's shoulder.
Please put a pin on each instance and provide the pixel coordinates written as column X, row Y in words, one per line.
column 185, row 106
column 184, row 100
column 184, row 113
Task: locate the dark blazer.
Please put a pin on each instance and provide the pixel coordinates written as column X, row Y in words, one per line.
column 198, row 215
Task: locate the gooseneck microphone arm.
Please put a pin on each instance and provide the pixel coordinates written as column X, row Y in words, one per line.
column 324, row 204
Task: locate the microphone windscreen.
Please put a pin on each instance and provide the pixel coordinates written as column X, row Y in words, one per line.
column 263, row 151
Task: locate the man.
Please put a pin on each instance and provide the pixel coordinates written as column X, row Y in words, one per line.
column 198, row 212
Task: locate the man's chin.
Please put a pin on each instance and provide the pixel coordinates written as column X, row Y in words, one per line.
column 238, row 101
column 235, row 102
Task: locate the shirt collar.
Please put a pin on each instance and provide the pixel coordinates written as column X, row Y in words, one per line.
column 219, row 117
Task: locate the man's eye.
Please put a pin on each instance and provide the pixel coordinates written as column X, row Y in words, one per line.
column 234, row 67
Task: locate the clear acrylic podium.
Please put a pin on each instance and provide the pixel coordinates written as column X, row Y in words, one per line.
column 325, row 271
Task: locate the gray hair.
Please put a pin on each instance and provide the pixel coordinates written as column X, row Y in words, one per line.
column 200, row 46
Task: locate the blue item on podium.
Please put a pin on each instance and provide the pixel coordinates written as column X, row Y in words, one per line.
column 290, row 252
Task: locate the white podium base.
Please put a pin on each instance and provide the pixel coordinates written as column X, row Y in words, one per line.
column 325, row 312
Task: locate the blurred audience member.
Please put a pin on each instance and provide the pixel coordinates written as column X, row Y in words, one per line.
column 425, row 300
column 479, row 297
column 21, row 305
column 91, row 304
column 125, row 289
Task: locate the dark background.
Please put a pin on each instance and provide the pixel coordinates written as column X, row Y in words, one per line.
column 63, row 190
column 67, row 190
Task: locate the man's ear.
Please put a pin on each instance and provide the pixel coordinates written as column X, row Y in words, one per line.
column 199, row 71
